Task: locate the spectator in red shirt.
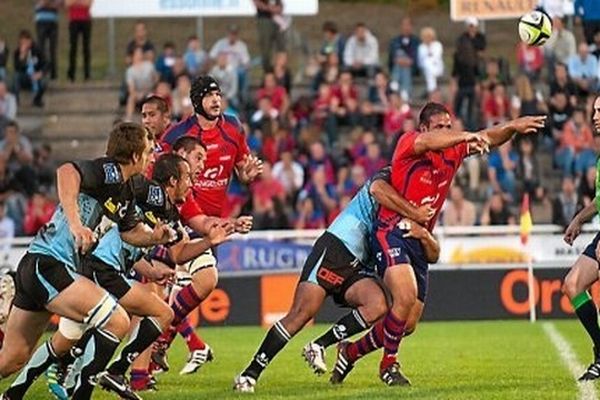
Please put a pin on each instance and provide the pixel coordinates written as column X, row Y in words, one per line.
column 496, row 107
column 308, row 217
column 530, row 59
column 395, row 115
column 575, row 153
column 38, row 212
column 268, row 198
column 344, row 106
column 275, row 92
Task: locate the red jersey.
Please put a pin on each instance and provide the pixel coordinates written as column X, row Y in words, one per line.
column 422, row 179
column 225, row 147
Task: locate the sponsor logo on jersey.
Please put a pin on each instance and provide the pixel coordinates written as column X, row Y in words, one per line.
column 212, row 184
column 213, row 173
column 156, row 196
column 225, row 158
column 112, row 174
column 212, row 146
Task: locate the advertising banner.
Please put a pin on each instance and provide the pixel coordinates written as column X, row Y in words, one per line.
column 490, row 9
column 192, row 8
column 261, row 255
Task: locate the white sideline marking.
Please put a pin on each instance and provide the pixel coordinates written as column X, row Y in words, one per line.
column 587, row 390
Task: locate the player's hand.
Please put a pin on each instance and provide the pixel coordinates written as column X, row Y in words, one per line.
column 243, row 224
column 413, row 230
column 573, row 230
column 162, row 233
column 220, row 233
column 84, row 237
column 424, row 214
column 160, row 272
column 528, row 125
column 477, row 143
column 252, row 167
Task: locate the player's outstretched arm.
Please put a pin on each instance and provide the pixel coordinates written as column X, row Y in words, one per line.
column 502, row 133
column 185, row 251
column 430, row 245
column 68, row 185
column 440, row 139
column 574, row 228
column 388, row 197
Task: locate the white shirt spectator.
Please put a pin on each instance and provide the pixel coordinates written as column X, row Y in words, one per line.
column 237, row 52
column 430, row 57
column 291, row 175
column 8, row 103
column 227, row 78
column 365, row 52
column 7, row 233
column 142, row 76
column 557, row 8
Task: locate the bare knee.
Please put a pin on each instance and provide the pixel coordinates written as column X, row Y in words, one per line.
column 570, row 286
column 165, row 316
column 374, row 310
column 13, row 360
column 118, row 323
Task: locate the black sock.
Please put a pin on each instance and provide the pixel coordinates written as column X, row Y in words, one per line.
column 349, row 325
column 148, row 330
column 586, row 311
column 41, row 359
column 98, row 351
column 276, row 339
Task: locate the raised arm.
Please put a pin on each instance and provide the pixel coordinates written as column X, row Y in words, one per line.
column 442, row 139
column 502, row 133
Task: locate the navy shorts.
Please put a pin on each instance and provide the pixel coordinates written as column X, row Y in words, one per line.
column 39, row 279
column 590, row 249
column 390, row 249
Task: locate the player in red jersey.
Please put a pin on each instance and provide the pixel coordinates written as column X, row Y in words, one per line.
column 423, row 167
column 227, row 151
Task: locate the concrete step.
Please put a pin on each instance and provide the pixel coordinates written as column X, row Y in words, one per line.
column 81, row 125
column 82, row 101
column 74, row 149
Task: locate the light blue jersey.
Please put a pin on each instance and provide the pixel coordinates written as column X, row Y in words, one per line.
column 113, row 251
column 55, row 238
column 354, row 225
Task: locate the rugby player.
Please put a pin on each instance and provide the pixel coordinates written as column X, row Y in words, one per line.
column 423, row 166
column 339, row 265
column 584, row 272
column 227, row 151
column 47, row 281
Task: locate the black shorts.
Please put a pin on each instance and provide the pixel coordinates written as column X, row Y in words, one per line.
column 590, row 249
column 114, row 282
column 331, row 266
column 39, row 279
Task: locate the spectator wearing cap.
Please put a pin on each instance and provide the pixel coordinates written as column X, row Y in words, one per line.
column 588, row 13
column 237, row 56
column 29, row 65
column 46, row 27
column 333, row 42
column 402, row 56
column 430, row 56
column 361, row 54
column 195, row 58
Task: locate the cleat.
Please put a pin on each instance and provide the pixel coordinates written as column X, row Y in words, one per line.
column 159, row 357
column 593, row 371
column 155, row 369
column 342, row 366
column 55, row 378
column 392, row 376
column 244, row 384
column 314, row 355
column 73, row 372
column 196, row 359
column 117, row 384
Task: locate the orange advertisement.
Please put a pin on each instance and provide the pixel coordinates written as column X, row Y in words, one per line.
column 276, row 293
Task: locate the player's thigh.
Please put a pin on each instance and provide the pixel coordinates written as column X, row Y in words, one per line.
column 369, row 298
column 77, row 299
column 402, row 283
column 414, row 317
column 308, row 299
column 141, row 302
column 581, row 275
column 23, row 330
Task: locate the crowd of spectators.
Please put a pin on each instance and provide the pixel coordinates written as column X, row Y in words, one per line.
column 324, row 135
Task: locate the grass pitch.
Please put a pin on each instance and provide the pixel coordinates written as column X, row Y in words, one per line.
column 444, row 360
